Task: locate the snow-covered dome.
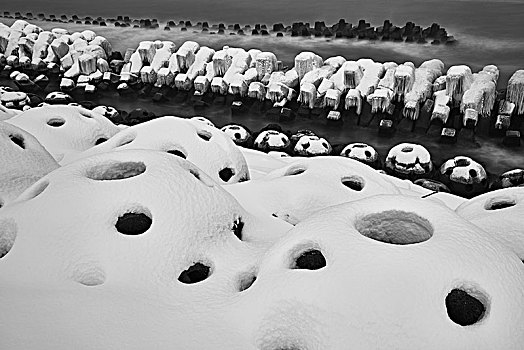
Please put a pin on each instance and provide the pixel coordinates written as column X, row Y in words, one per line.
column 297, row 190
column 362, row 152
column 312, row 146
column 238, row 134
column 407, row 277
column 106, row 111
column 464, row 176
column 65, row 130
column 58, row 97
column 500, row 214
column 409, row 160
column 272, row 140
column 23, row 161
column 205, row 146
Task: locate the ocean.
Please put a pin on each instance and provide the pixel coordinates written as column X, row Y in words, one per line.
column 488, row 32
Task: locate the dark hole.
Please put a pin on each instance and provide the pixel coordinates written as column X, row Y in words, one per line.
column 352, row 183
column 238, row 225
column 472, row 173
column 449, row 171
column 464, row 309
column 305, row 145
column 100, row 140
column 310, row 260
column 368, row 154
column 325, row 145
column 144, row 113
column 204, row 135
column 284, row 140
column 226, row 174
column 247, row 282
column 18, row 140
column 295, row 171
column 237, row 135
column 56, row 122
column 194, row 274
column 348, row 151
column 500, row 205
column 133, row 223
column 177, row 153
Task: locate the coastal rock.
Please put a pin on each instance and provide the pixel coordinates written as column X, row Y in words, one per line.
column 64, row 130
column 23, row 161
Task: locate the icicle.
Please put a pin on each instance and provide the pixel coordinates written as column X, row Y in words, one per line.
column 182, row 82
column 186, row 55
column 219, row 86
column 404, row 80
column 458, row 80
column 276, row 92
column 308, row 95
column 146, row 50
column 440, row 112
column 266, row 62
column 164, row 77
column 306, row 62
column 257, row 90
column 515, row 92
column 332, row 98
column 353, row 99
column 201, row 84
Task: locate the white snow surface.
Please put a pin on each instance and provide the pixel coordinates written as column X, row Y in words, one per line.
column 73, row 274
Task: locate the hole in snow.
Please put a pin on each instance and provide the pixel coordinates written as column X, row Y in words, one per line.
column 296, row 170
column 462, row 162
column 100, row 140
column 246, row 281
column 407, row 149
column 395, row 227
column 177, row 153
column 18, row 140
column 310, row 260
column 356, row 183
column 204, row 135
column 89, row 275
column 115, row 170
column 499, row 203
column 132, row 223
column 226, row 174
column 465, row 308
column 195, row 273
column 56, row 122
column 238, row 225
column 8, row 231
column 472, row 173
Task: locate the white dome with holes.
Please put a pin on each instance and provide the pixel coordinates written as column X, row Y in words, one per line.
column 501, row 214
column 58, row 97
column 237, row 133
column 409, row 159
column 312, row 146
column 297, row 190
column 272, row 140
column 464, row 176
column 205, row 146
column 388, row 272
column 23, row 161
column 65, row 130
column 106, row 111
column 361, row 152
column 133, row 237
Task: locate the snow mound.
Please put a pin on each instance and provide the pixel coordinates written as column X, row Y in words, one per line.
column 23, row 161
column 204, row 145
column 297, row 190
column 65, row 130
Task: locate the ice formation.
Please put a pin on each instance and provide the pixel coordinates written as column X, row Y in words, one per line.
column 409, row 160
column 515, row 92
